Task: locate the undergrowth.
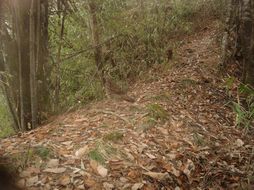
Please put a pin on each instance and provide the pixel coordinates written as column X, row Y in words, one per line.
column 244, row 108
column 243, row 103
column 5, row 119
column 157, row 112
column 139, row 39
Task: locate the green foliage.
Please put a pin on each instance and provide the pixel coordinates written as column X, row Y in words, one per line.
column 187, row 83
column 157, row 112
column 245, row 111
column 96, row 155
column 114, row 136
column 43, row 152
column 148, row 124
column 102, row 152
column 163, row 96
column 229, row 84
column 5, row 119
column 133, row 37
column 198, row 139
column 104, row 125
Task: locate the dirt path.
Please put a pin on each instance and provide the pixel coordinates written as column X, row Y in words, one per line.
column 178, row 134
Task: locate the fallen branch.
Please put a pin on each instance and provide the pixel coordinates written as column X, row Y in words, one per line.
column 114, row 114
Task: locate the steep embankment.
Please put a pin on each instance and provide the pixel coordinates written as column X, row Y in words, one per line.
column 178, row 134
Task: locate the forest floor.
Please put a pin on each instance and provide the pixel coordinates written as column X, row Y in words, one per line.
column 179, row 134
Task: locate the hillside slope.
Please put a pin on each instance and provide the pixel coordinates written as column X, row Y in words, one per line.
column 179, row 134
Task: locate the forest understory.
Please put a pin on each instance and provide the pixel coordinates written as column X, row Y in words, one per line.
column 178, row 134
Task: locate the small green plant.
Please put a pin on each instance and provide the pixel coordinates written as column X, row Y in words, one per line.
column 96, row 155
column 187, row 82
column 229, row 85
column 157, row 112
column 6, row 128
column 198, row 139
column 42, row 152
column 113, row 136
column 244, row 110
column 163, row 96
column 6, row 131
column 148, row 124
column 104, row 125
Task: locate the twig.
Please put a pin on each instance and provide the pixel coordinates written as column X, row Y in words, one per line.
column 114, row 114
column 89, row 48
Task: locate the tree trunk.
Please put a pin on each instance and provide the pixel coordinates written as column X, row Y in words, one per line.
column 239, row 37
column 33, row 61
column 96, row 38
column 43, row 71
column 61, row 21
column 26, row 59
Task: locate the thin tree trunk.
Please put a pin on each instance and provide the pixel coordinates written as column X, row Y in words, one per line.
column 33, row 60
column 17, row 28
column 42, row 64
column 61, row 22
column 96, row 38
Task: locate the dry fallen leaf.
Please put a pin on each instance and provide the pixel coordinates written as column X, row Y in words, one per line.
column 134, row 174
column 189, row 167
column 32, row 181
column 102, row 171
column 94, row 165
column 239, row 143
column 53, row 163
column 81, row 152
column 108, row 186
column 29, row 171
column 158, row 176
column 137, row 186
column 99, row 169
column 64, row 180
column 150, row 156
column 89, row 182
column 55, row 170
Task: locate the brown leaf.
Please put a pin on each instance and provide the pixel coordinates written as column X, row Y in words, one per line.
column 32, row 181
column 102, row 171
column 81, row 152
column 94, row 165
column 64, row 180
column 89, row 182
column 53, row 163
column 108, row 186
column 158, row 176
column 134, row 174
column 55, row 170
column 137, row 186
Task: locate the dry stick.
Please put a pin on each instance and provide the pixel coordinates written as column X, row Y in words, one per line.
column 89, row 48
column 114, row 114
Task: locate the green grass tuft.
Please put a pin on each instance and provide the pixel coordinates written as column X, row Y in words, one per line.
column 157, row 112
column 113, row 136
column 96, row 155
column 43, row 152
